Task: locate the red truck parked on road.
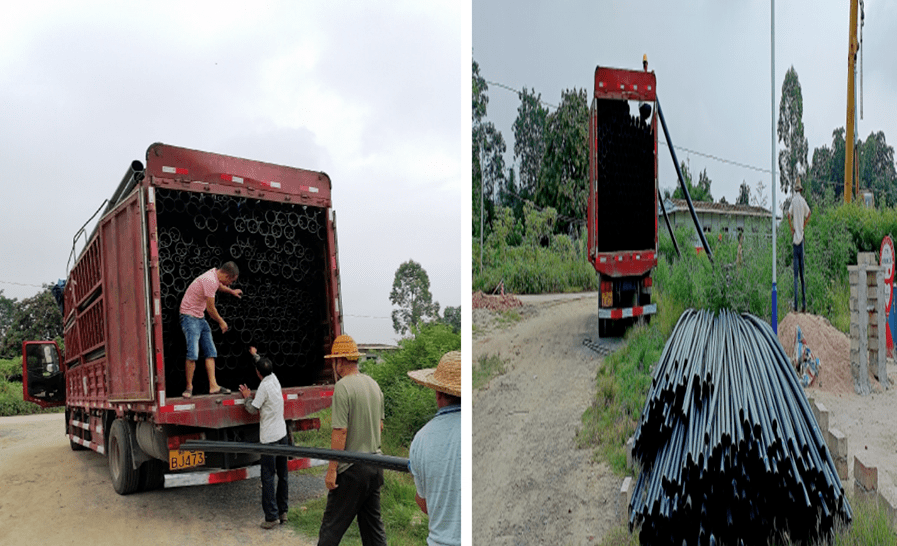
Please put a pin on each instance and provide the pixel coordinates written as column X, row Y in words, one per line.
column 622, row 207
column 122, row 373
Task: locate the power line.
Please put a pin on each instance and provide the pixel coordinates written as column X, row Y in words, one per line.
column 22, row 284
column 503, row 86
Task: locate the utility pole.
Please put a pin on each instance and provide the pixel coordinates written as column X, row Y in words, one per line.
column 772, row 160
column 849, row 137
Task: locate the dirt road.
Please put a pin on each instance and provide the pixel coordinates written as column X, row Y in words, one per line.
column 52, row 495
column 531, row 485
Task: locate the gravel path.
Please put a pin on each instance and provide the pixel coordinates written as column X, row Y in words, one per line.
column 531, row 485
column 53, row 495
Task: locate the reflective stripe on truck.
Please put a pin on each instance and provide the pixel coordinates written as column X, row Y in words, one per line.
column 627, row 312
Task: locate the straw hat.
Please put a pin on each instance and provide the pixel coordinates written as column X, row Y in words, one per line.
column 344, row 346
column 445, row 377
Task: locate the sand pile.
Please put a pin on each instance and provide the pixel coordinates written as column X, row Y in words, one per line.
column 829, row 345
column 495, row 303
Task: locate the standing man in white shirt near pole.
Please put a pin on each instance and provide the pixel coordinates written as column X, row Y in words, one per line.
column 798, row 216
column 268, row 402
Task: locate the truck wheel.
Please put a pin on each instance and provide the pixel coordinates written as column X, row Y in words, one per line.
column 603, row 327
column 152, row 475
column 125, row 478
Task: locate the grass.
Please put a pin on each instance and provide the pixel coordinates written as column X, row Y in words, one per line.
column 405, row 523
column 869, row 526
column 488, row 366
column 507, row 318
column 623, row 383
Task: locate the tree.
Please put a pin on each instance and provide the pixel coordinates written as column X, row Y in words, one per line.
column 478, row 111
column 488, row 148
column 529, row 139
column 744, row 194
column 793, row 155
column 827, row 170
column 698, row 192
column 563, row 177
column 411, row 292
column 36, row 318
column 7, row 308
column 452, row 317
column 877, row 171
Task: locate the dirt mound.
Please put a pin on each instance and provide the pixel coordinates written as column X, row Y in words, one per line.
column 502, row 302
column 829, row 345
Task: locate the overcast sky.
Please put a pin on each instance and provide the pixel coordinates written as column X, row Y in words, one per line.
column 712, row 61
column 376, row 95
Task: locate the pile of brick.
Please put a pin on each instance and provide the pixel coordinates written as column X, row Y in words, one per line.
column 867, row 322
column 503, row 302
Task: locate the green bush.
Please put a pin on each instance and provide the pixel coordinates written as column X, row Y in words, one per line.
column 408, row 405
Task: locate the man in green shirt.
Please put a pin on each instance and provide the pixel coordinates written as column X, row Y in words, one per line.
column 357, row 418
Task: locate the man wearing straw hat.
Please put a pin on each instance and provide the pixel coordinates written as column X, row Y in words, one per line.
column 357, row 419
column 435, row 455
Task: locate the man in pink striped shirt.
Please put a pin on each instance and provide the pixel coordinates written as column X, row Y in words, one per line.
column 199, row 298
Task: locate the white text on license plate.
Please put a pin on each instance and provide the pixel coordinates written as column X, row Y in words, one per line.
column 185, row 459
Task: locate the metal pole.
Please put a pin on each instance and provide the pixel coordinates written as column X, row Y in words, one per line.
column 482, row 206
column 691, row 207
column 772, row 158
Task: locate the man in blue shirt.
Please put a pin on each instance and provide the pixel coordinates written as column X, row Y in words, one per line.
column 435, row 455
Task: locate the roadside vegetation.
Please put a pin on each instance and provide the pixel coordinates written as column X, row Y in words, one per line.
column 870, row 526
column 408, row 408
column 487, row 367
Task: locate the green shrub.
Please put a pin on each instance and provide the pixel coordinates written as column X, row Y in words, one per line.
column 408, row 405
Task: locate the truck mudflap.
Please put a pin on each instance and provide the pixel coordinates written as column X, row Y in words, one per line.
column 627, row 312
column 184, row 479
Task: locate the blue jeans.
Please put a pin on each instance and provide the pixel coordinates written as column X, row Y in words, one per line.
column 275, row 504
column 799, row 270
column 199, row 335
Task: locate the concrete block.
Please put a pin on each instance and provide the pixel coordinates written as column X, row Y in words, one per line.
column 837, row 443
column 841, row 467
column 623, row 500
column 887, row 499
column 629, row 445
column 866, row 258
column 821, row 416
column 864, row 475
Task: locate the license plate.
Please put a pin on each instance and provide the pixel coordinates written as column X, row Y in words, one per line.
column 178, row 460
column 607, row 299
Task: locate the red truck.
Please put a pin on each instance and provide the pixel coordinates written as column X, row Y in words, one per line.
column 622, row 207
column 122, row 373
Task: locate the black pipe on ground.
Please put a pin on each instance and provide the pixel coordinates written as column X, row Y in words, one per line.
column 729, row 448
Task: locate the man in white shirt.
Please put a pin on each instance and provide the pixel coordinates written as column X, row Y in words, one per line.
column 268, row 402
column 798, row 216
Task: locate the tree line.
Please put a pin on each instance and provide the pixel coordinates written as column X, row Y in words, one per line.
column 551, row 156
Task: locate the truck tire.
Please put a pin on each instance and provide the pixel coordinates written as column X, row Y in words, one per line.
column 604, row 327
column 125, row 478
column 152, row 475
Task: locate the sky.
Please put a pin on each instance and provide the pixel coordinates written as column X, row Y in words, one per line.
column 713, row 66
column 375, row 95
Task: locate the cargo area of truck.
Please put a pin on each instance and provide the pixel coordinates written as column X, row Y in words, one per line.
column 281, row 251
column 624, row 155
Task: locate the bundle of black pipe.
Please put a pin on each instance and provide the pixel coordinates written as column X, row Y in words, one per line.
column 729, row 448
column 624, row 157
column 282, row 256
